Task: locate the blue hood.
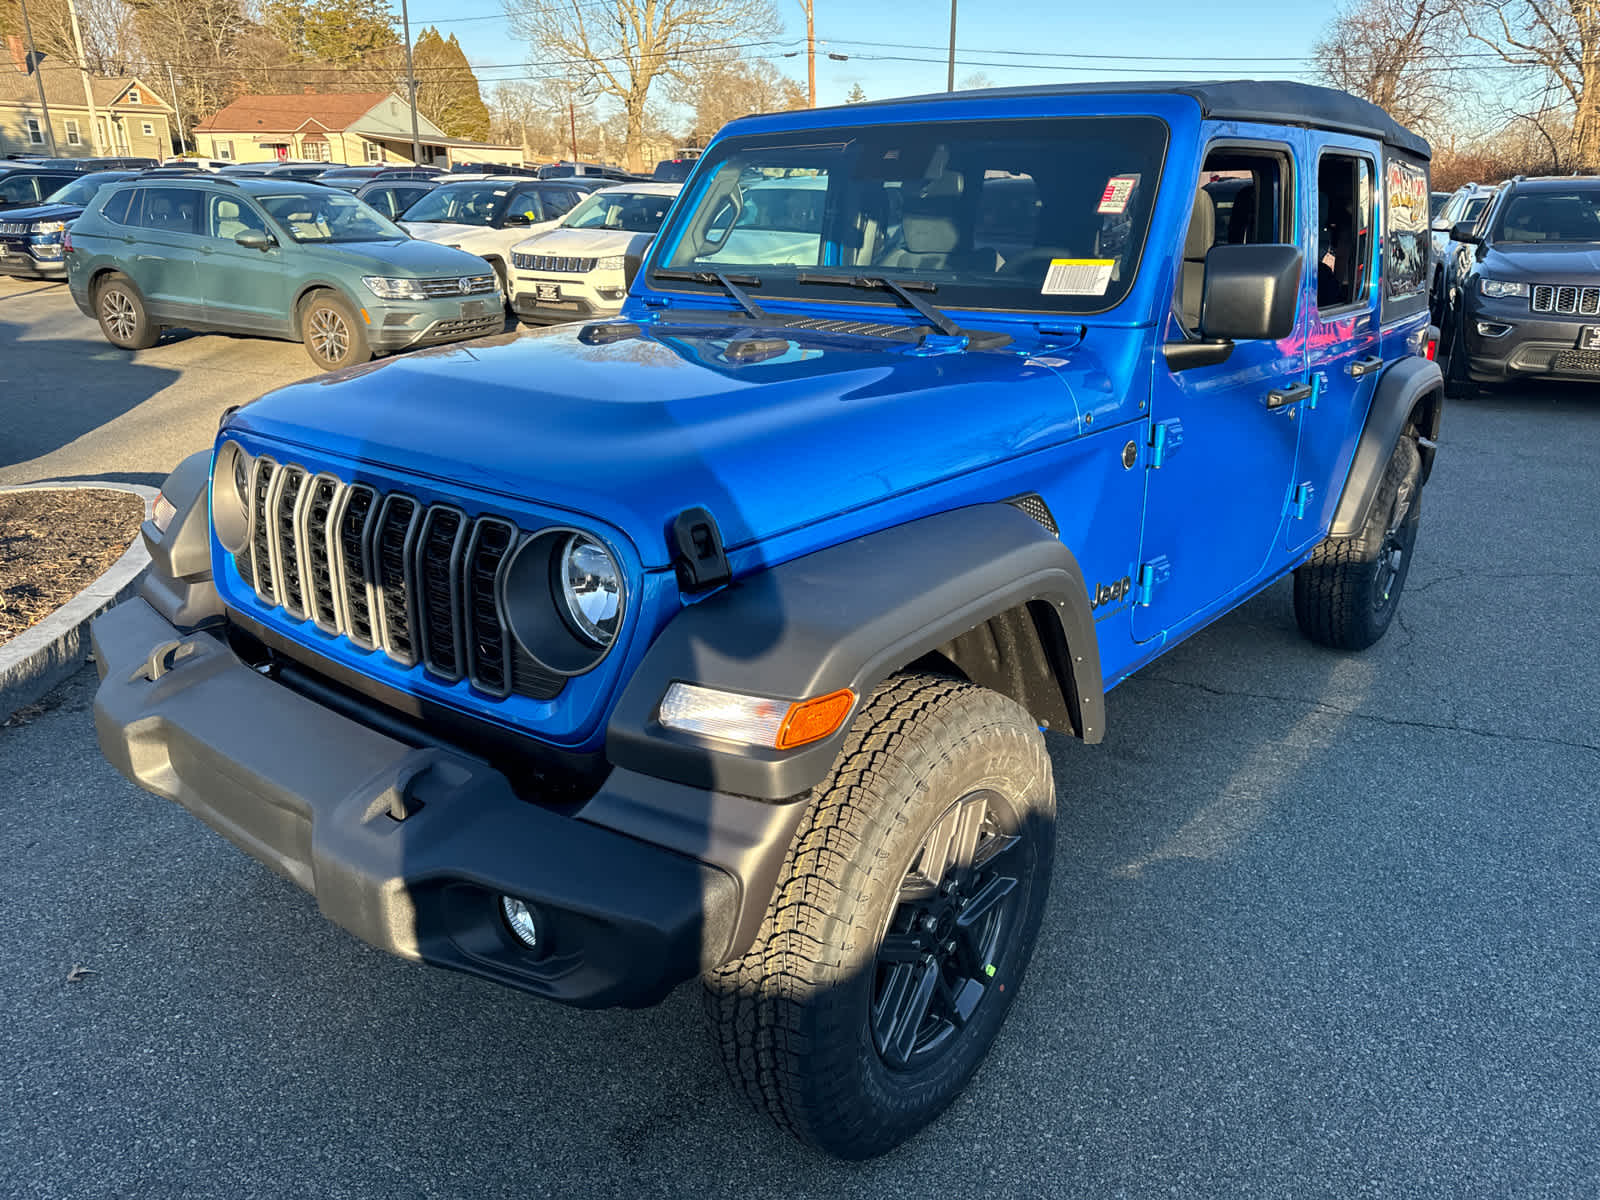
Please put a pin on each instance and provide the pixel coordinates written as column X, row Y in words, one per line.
column 44, row 212
column 786, row 430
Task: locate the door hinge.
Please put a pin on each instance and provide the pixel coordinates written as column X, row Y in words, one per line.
column 1300, row 502
column 1151, row 576
column 1319, row 384
column 1165, row 439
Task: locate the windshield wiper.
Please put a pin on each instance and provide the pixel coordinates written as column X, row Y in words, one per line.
column 728, row 283
column 903, row 290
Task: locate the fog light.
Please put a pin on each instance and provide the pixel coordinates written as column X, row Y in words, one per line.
column 1493, row 329
column 520, row 919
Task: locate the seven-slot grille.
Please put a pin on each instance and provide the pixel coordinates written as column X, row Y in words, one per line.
column 1566, row 300
column 476, row 285
column 15, row 227
column 552, row 262
column 418, row 582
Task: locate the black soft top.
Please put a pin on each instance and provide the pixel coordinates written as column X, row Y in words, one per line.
column 1275, row 101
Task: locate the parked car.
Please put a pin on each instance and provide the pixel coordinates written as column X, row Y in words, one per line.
column 28, row 186
column 1465, row 205
column 31, row 238
column 308, row 172
column 582, row 267
column 1526, row 300
column 195, row 161
column 1436, row 202
column 672, row 170
column 352, row 179
column 487, row 217
column 718, row 639
column 562, row 170
column 392, row 197
column 275, row 257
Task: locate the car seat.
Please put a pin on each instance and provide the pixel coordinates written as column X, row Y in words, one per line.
column 227, row 218
column 931, row 235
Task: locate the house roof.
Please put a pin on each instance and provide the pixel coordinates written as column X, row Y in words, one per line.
column 285, row 114
column 63, row 88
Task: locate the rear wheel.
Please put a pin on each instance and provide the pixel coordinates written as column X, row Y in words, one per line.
column 123, row 318
column 333, row 334
column 902, row 923
column 1349, row 592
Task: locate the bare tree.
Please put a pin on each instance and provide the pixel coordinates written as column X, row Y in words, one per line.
column 1396, row 53
column 622, row 48
column 726, row 87
column 1558, row 40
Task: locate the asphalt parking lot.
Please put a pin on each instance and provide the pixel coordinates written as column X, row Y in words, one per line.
column 1320, row 925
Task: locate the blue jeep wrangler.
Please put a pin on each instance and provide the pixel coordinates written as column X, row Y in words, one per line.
column 718, row 639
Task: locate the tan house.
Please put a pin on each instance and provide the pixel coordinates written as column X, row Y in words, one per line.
column 347, row 127
column 133, row 118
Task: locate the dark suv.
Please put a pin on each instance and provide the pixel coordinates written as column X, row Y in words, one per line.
column 1525, row 302
column 718, row 639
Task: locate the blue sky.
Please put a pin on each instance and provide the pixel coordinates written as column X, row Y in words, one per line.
column 1239, row 38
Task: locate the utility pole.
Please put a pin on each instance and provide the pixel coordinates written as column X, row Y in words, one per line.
column 88, row 87
column 38, row 77
column 183, row 138
column 572, row 118
column 950, row 79
column 411, row 85
column 811, row 51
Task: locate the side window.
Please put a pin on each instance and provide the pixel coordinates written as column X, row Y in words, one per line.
column 171, row 210
column 229, row 216
column 558, row 202
column 1344, row 230
column 117, row 208
column 18, row 190
column 1242, row 198
column 527, row 203
column 1406, row 242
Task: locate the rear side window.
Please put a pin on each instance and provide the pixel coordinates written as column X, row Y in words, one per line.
column 18, row 190
column 116, row 209
column 1406, row 241
column 170, row 210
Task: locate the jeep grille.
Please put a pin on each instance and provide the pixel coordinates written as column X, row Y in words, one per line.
column 552, row 262
column 1567, row 301
column 420, row 583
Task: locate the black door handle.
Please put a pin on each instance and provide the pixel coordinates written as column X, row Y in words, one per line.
column 1293, row 394
column 1364, row 366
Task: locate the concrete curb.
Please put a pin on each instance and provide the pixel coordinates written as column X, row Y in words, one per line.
column 44, row 655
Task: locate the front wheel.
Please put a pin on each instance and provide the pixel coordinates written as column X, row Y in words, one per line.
column 333, row 334
column 123, row 318
column 902, row 923
column 1349, row 592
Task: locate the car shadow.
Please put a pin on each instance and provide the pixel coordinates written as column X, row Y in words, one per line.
column 65, row 388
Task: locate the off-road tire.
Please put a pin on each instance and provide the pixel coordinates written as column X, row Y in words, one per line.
column 123, row 318
column 333, row 332
column 791, row 1017
column 1347, row 594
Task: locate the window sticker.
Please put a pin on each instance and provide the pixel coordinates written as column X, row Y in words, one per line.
column 1115, row 198
column 1078, row 277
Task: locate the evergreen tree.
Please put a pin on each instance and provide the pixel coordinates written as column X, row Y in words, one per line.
column 447, row 90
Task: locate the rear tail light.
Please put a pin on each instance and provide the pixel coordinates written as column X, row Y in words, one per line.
column 66, row 242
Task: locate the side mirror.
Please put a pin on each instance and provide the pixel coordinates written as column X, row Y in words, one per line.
column 253, row 239
column 1461, row 231
column 1251, row 292
column 517, row 219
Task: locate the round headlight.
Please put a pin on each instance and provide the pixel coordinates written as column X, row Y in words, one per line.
column 589, row 584
column 564, row 597
column 230, row 497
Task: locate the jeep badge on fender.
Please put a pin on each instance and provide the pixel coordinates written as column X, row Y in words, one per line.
column 715, row 641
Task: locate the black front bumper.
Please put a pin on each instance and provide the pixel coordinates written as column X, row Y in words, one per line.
column 1538, row 346
column 412, row 847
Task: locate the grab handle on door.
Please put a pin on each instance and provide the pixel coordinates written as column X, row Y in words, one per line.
column 1364, row 366
column 1283, row 397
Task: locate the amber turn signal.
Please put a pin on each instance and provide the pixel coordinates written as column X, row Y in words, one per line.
column 812, row 720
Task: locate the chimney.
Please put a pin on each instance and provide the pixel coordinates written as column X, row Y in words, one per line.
column 19, row 53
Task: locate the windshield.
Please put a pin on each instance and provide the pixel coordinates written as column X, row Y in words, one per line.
column 635, row 212
column 1040, row 214
column 82, row 189
column 1551, row 215
column 463, row 204
column 325, row 215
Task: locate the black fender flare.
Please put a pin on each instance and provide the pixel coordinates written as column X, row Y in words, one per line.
column 985, row 588
column 1409, row 392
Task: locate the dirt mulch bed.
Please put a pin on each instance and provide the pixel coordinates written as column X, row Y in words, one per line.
column 54, row 543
